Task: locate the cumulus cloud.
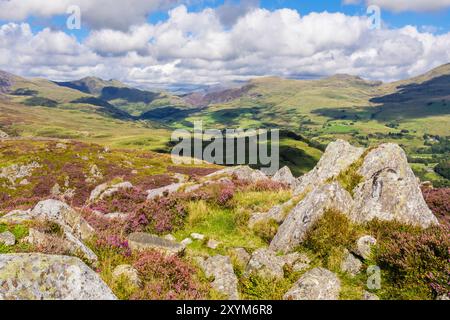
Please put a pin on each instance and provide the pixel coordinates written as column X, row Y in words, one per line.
column 199, row 48
column 406, row 5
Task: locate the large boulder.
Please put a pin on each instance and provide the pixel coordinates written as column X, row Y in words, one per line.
column 242, row 173
column 293, row 230
column 225, row 281
column 338, row 156
column 316, row 284
column 62, row 214
column 389, row 190
column 285, row 176
column 49, row 277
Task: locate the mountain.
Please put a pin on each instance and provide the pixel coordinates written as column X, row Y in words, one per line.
column 91, row 85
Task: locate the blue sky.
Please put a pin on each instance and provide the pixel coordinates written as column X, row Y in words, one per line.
column 149, row 43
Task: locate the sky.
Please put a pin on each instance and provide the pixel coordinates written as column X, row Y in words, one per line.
column 170, row 43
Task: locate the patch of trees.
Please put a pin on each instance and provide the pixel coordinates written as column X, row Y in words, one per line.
column 24, row 92
column 443, row 169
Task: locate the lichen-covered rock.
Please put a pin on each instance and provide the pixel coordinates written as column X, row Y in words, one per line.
column 338, row 156
column 16, row 217
column 293, row 230
column 197, row 236
column 351, row 264
column 62, row 214
column 144, row 241
column 241, row 255
column 225, row 281
column 213, row 244
column 106, row 190
column 268, row 263
column 7, row 238
column 277, row 214
column 389, row 190
column 364, row 246
column 17, row 172
column 128, row 272
column 163, row 191
column 49, row 277
column 316, row 284
column 285, row 176
column 242, row 173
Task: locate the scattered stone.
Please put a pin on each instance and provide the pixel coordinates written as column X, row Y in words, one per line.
column 351, row 264
column 293, row 230
column 134, row 172
column 181, row 178
column 213, row 244
column 364, row 246
column 197, row 236
column 389, row 190
column 61, row 146
column 60, row 213
column 94, row 174
column 186, row 242
column 370, row 296
column 443, row 297
column 7, row 238
column 284, row 175
column 24, row 182
column 16, row 217
column 56, row 190
column 144, row 241
column 338, row 156
column 128, row 272
column 17, row 172
column 106, row 190
column 241, row 255
column 316, row 284
column 267, row 263
column 163, row 191
column 31, row 276
column 116, row 216
column 225, row 281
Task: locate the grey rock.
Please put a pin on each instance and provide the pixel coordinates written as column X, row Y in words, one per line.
column 351, row 264
column 170, row 237
column 18, row 172
column 197, row 236
column 186, row 242
column 62, row 214
column 370, row 296
column 338, row 156
column 212, row 244
column 443, row 297
column 364, row 246
column 268, row 263
column 3, row 135
column 144, row 241
column 225, row 281
column 7, row 238
column 293, row 230
column 163, row 191
column 241, row 255
column 49, row 277
column 389, row 190
column 16, row 217
column 316, row 284
column 285, row 176
column 128, row 272
column 277, row 214
column 242, row 173
column 106, row 190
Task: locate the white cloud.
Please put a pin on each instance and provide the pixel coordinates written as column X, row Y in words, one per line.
column 198, row 48
column 406, row 5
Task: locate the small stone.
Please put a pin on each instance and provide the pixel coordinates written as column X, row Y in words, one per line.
column 24, row 182
column 170, row 237
column 186, row 242
column 7, row 238
column 364, row 246
column 370, row 296
column 134, row 172
column 213, row 244
column 197, row 236
column 351, row 264
column 128, row 272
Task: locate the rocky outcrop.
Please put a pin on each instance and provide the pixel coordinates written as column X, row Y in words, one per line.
column 225, row 281
column 284, row 176
column 338, row 156
column 17, row 172
column 163, row 191
column 268, row 263
column 389, row 190
column 277, row 214
column 62, row 214
column 48, row 277
column 143, row 241
column 293, row 230
column 241, row 172
column 316, row 284
column 106, row 190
